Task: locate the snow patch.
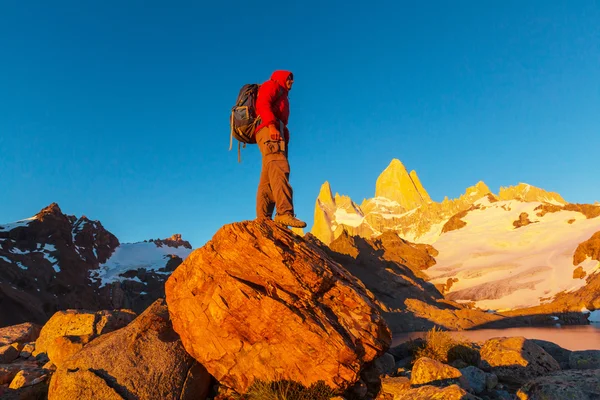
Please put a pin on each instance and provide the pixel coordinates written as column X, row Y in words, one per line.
column 132, row 256
column 489, row 243
column 346, row 218
column 13, row 225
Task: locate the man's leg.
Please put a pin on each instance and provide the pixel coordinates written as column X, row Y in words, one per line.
column 265, row 202
column 277, row 169
column 279, row 177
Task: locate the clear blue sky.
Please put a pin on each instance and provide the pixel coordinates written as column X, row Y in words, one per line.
column 119, row 109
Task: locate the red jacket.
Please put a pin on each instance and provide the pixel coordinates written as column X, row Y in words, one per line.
column 272, row 104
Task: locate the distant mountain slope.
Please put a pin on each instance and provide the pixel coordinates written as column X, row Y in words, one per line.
column 506, row 251
column 54, row 261
column 510, row 254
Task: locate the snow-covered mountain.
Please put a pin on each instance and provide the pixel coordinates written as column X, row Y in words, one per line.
column 512, row 254
column 523, row 247
column 54, row 261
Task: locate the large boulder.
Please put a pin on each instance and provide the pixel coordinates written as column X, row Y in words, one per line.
column 144, row 360
column 516, row 359
column 258, row 302
column 79, row 323
column 563, row 385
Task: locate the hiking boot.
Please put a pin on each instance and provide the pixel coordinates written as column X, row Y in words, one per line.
column 289, row 220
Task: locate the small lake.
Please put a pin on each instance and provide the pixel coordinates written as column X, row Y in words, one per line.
column 571, row 337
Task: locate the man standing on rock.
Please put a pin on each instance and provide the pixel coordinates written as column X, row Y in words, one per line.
column 272, row 137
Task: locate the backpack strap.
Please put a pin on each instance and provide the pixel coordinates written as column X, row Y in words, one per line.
column 231, row 134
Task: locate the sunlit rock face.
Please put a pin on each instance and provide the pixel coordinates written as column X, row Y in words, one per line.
column 401, row 205
column 258, row 302
column 525, row 192
column 396, row 184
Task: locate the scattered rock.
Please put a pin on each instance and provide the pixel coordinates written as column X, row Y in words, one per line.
column 8, row 372
column 475, row 378
column 428, row 371
column 563, row 385
column 22, row 333
column 9, row 353
column 27, row 350
column 28, row 377
column 254, row 289
column 516, row 359
column 585, row 359
column 80, row 323
column 143, row 360
column 491, row 381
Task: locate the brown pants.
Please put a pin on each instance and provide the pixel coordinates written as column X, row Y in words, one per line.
column 274, row 185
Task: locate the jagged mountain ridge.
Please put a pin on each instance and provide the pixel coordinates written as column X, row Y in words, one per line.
column 402, row 205
column 450, row 226
column 54, row 261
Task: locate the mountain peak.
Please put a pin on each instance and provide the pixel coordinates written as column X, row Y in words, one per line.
column 395, row 163
column 395, row 183
column 52, row 209
column 325, row 196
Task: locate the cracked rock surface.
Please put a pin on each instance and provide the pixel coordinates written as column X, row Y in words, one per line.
column 259, row 302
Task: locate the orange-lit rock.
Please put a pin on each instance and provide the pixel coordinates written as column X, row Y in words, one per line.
column 258, row 302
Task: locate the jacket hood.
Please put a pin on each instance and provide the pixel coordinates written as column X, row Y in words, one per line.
column 280, row 77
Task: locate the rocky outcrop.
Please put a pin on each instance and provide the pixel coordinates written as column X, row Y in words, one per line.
column 144, row 360
column 324, row 209
column 173, row 241
column 590, row 248
column 47, row 263
column 80, row 323
column 588, row 210
column 455, row 222
column 260, row 303
column 516, row 359
column 396, row 184
column 529, row 193
column 522, row 221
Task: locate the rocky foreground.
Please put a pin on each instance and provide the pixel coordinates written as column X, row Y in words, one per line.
column 259, row 304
